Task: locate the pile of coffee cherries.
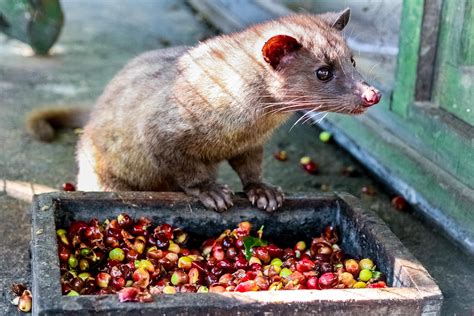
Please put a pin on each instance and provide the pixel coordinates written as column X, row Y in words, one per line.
column 136, row 260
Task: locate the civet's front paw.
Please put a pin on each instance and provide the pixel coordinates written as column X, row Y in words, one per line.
column 217, row 197
column 265, row 196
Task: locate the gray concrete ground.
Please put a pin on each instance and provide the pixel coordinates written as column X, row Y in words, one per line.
column 98, row 38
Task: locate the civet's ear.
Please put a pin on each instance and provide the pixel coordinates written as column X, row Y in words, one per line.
column 278, row 47
column 337, row 20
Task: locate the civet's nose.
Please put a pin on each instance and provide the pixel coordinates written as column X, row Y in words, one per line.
column 370, row 97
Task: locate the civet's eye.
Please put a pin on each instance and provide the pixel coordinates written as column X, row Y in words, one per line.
column 353, row 61
column 324, row 73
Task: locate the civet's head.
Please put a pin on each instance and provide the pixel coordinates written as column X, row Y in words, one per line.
column 312, row 66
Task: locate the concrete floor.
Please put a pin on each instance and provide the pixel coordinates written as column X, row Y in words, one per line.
column 94, row 45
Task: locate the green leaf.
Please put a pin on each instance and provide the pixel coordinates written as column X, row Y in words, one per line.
column 250, row 242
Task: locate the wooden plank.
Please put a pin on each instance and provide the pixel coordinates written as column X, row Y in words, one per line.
column 467, row 41
column 409, row 46
column 436, row 134
column 427, row 51
column 454, row 87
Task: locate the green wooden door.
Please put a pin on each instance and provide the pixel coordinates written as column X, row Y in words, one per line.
column 455, row 65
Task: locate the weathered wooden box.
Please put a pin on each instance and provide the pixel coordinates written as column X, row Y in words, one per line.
column 363, row 234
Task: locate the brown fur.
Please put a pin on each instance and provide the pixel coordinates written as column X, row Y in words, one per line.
column 171, row 116
column 42, row 122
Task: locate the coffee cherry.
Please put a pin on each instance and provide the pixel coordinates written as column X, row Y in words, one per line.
column 300, row 245
column 275, row 286
column 128, row 294
column 365, row 275
column 312, row 283
column 231, row 253
column 117, row 254
column 164, row 229
column 84, row 275
column 132, row 255
column 227, row 242
column 347, row 279
column 288, row 253
column 352, row 266
column 216, row 271
column 169, row 289
column 72, row 293
column 179, row 277
column 77, row 284
column 173, row 247
column 276, row 262
column 359, row 285
column 285, row 272
column 304, row 160
column 194, row 276
column 262, row 283
column 201, row 266
column 305, row 265
column 218, row 253
column 180, row 237
column 377, row 285
column 308, row 165
column 216, row 288
column 185, row 263
column 325, row 267
column 117, row 283
column 145, row 265
column 68, row 187
column 247, row 286
column 241, row 263
column 366, row 264
column 211, row 279
column 226, row 278
column 243, row 229
column 325, row 136
column 162, row 242
column 72, row 261
column 187, row 288
column 281, row 155
column 262, row 254
column 328, row 280
column 224, row 264
column 249, row 275
column 239, row 243
column 124, row 221
column 63, row 253
column 103, row 279
column 311, row 167
column 141, row 278
column 83, row 265
column 138, row 230
column 274, row 251
column 154, row 253
column 112, row 241
column 139, row 244
column 297, row 278
column 399, row 203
